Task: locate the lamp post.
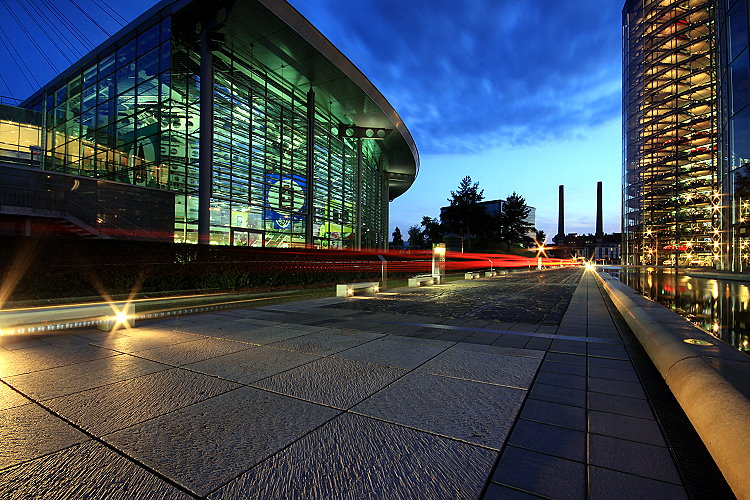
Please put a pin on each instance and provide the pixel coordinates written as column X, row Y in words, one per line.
column 438, row 262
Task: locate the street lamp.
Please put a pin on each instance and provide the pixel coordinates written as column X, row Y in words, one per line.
column 438, row 262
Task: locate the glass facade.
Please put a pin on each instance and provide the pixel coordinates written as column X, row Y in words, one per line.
column 671, row 197
column 734, row 128
column 131, row 113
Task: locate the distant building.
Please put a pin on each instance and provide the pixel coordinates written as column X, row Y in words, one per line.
column 604, row 250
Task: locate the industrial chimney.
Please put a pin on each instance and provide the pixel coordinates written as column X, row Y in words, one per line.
column 561, row 216
column 599, row 230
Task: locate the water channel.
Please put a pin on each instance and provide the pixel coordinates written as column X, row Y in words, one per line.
column 719, row 306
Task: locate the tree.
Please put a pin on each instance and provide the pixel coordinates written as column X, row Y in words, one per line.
column 541, row 237
column 465, row 216
column 398, row 240
column 415, row 237
column 512, row 227
column 431, row 231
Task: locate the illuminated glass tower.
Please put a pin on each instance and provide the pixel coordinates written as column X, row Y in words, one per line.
column 258, row 130
column 734, row 128
column 671, row 196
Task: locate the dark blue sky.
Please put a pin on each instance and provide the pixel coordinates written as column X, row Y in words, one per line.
column 522, row 95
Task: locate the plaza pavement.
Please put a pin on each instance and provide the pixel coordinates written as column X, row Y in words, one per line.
column 510, row 387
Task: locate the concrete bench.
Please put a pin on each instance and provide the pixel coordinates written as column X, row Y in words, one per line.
column 471, row 276
column 347, row 289
column 421, row 280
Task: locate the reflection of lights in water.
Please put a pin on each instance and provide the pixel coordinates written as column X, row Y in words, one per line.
column 714, row 288
column 744, row 296
column 715, row 327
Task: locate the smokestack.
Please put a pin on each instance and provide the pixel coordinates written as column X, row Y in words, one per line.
column 599, row 230
column 561, row 216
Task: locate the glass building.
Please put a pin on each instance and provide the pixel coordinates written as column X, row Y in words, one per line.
column 671, row 196
column 257, row 129
column 734, row 128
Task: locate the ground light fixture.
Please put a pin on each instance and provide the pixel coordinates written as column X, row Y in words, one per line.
column 697, row 342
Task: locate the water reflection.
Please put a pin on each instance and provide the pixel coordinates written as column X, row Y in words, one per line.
column 720, row 307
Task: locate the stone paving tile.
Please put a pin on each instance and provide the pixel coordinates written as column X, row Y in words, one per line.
column 512, row 371
column 88, row 470
column 562, row 380
column 538, row 343
column 640, row 459
column 572, row 359
column 10, row 398
column 261, row 335
column 323, row 344
column 29, row 431
column 518, row 341
column 116, row 406
column 192, row 352
column 610, row 363
column 142, row 340
column 501, row 350
column 572, row 417
column 624, row 427
column 252, row 365
column 541, row 474
column 470, row 411
column 207, row 444
column 357, row 457
column 555, row 367
column 45, row 357
column 622, row 405
column 613, row 374
column 610, row 484
column 617, row 387
column 549, row 439
column 499, row 492
column 331, row 381
column 82, row 376
column 388, row 352
column 562, row 395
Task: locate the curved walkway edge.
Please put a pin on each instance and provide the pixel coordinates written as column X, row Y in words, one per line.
column 711, row 383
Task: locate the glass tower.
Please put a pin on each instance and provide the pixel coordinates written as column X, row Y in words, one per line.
column 671, row 196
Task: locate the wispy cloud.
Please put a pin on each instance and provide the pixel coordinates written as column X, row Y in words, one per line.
column 467, row 76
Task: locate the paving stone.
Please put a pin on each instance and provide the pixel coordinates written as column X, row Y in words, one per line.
column 29, row 431
column 387, row 352
column 562, row 380
column 610, row 484
column 562, row 395
column 541, row 474
column 550, row 439
column 323, row 344
column 139, row 340
column 518, row 341
column 88, row 470
column 555, row 367
column 572, row 417
column 617, row 387
column 357, row 457
column 624, row 427
column 610, row 363
column 477, row 413
column 47, row 356
column 496, row 349
column 252, row 365
column 209, row 443
column 569, row 347
column 641, row 459
column 512, row 371
column 192, row 352
column 613, row 374
column 331, row 381
column 622, row 405
column 538, row 343
column 82, row 376
column 116, row 406
column 10, row 398
column 500, row 492
column 573, row 359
